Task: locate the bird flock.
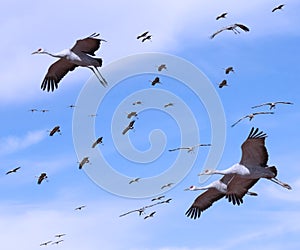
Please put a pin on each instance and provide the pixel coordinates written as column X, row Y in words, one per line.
column 236, row 181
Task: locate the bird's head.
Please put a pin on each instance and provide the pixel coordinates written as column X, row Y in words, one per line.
column 207, row 172
column 190, row 188
column 39, row 51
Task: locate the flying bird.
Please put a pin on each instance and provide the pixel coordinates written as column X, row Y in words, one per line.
column 44, row 110
column 59, row 235
column 43, row 176
column 83, row 161
column 98, row 141
column 79, row 55
column 141, row 210
column 147, row 38
column 167, row 185
column 150, row 215
column 56, row 129
column 223, row 84
column 13, row 170
column 158, row 198
column 155, row 81
column 232, row 27
column 228, row 70
column 251, row 116
column 33, row 110
column 279, row 7
column 223, row 15
column 132, row 114
column 162, row 67
column 189, row 149
column 134, row 180
column 137, row 103
column 129, row 127
column 80, row 207
column 170, row 104
column 253, row 164
column 46, row 243
column 72, row 106
column 57, row 242
column 166, row 201
column 142, row 35
column 271, row 104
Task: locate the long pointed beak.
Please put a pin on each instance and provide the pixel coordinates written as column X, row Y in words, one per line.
column 102, row 40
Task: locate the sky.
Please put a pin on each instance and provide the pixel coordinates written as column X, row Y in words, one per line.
column 265, row 61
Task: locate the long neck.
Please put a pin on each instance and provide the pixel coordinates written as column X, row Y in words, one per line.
column 201, row 188
column 58, row 55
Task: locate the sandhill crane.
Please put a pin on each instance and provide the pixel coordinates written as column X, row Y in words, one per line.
column 279, row 7
column 253, row 163
column 155, row 81
column 223, row 15
column 162, row 67
column 137, row 103
column 132, row 114
column 142, row 35
column 79, row 55
column 170, row 104
column 72, row 106
column 84, row 161
column 46, row 243
column 79, row 208
column 129, row 127
column 56, row 129
column 43, row 176
column 13, row 170
column 134, row 180
column 44, row 110
column 98, row 141
column 226, row 186
column 150, row 215
column 158, row 198
column 251, row 116
column 166, row 201
column 167, row 185
column 33, row 110
column 223, row 84
column 141, row 210
column 59, row 235
column 147, row 38
column 57, row 242
column 228, row 70
column 232, row 27
column 271, row 104
column 189, row 149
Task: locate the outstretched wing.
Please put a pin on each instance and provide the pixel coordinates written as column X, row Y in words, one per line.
column 217, row 32
column 202, row 202
column 88, row 45
column 242, row 26
column 254, row 152
column 239, row 121
column 260, row 105
column 55, row 73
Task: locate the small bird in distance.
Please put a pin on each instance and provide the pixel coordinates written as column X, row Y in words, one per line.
column 12, row 170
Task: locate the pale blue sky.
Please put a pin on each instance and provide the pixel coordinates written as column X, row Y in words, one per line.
column 266, row 69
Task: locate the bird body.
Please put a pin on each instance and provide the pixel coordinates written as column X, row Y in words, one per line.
column 129, row 127
column 132, row 114
column 147, row 38
column 279, row 7
column 228, row 70
column 155, row 81
column 80, row 207
column 98, row 141
column 59, row 235
column 56, row 129
column 57, row 242
column 79, row 55
column 162, row 67
column 150, row 215
column 43, row 176
column 12, row 170
column 83, row 161
column 223, row 15
column 170, row 104
column 46, row 243
column 223, row 84
column 134, row 180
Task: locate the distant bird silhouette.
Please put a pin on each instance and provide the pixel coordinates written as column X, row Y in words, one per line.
column 98, row 141
column 279, row 7
column 223, row 84
column 134, row 180
column 57, row 242
column 271, row 104
column 42, row 177
column 59, row 235
column 44, row 110
column 167, row 185
column 72, row 106
column 92, row 115
column 83, row 161
column 80, row 207
column 228, row 70
column 232, row 27
column 162, row 67
column 251, row 116
column 189, row 149
column 223, row 15
column 155, row 81
column 79, row 55
column 13, row 170
column 46, row 243
column 129, row 127
column 33, row 110
column 142, row 35
column 137, row 103
column 132, row 114
column 170, row 104
column 149, row 37
column 158, row 198
column 150, row 215
column 166, row 201
column 56, row 129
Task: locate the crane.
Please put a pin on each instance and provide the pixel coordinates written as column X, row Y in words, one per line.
column 13, row 170
column 223, row 84
column 57, row 242
column 137, row 103
column 223, row 15
column 155, row 81
column 147, row 38
column 271, row 104
column 56, row 129
column 251, row 116
column 162, row 67
column 84, row 161
column 228, row 70
column 167, row 185
column 158, row 198
column 232, row 27
column 189, row 149
column 132, row 114
column 46, row 243
column 134, row 180
column 170, row 104
column 33, row 110
column 129, row 127
column 253, row 163
column 59, row 235
column 43, row 176
column 150, row 215
column 279, row 7
column 80, row 207
column 79, row 55
column 142, row 35
column 98, row 141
